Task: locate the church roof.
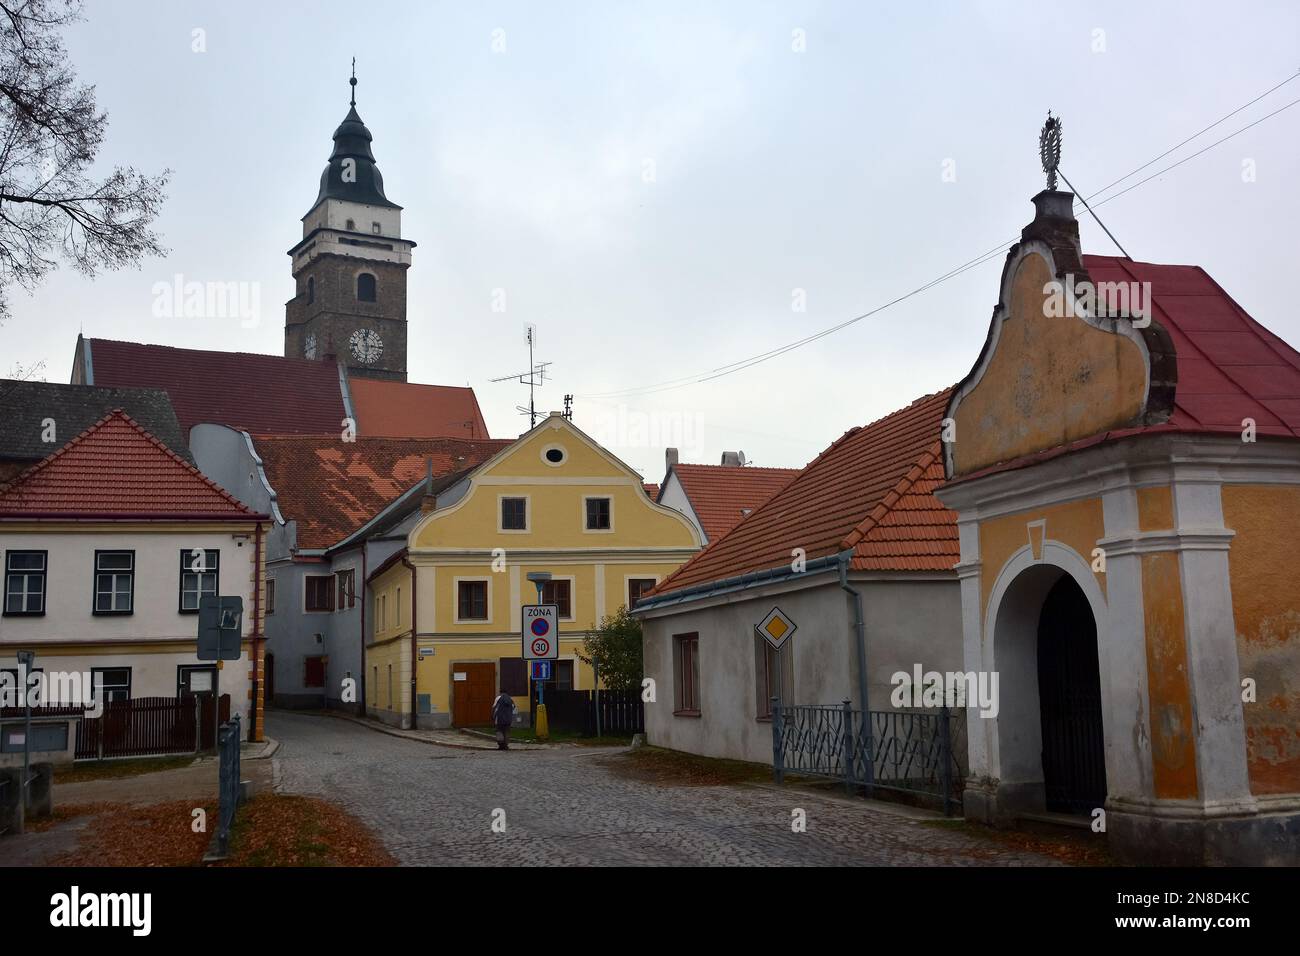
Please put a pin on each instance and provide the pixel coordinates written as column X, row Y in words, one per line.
column 117, row 470
column 246, row 390
column 363, row 183
column 331, row 488
column 410, row 410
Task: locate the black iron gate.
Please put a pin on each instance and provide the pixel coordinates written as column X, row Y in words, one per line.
column 1069, row 699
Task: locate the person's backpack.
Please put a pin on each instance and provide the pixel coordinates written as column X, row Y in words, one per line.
column 503, row 710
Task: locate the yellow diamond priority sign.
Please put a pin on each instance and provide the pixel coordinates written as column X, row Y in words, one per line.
column 776, row 628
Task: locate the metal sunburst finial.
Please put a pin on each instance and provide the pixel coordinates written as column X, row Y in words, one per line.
column 1049, row 148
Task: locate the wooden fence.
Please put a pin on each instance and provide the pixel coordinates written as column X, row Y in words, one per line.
column 147, row 726
column 622, row 713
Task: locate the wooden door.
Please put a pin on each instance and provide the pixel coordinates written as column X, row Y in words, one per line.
column 472, row 694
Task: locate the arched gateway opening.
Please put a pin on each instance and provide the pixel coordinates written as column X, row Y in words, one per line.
column 1047, row 745
column 1069, row 702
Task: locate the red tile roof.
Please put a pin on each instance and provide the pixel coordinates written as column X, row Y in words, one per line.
column 1229, row 366
column 247, row 390
column 116, row 470
column 407, row 410
column 651, row 489
column 723, row 494
column 872, row 490
column 331, row 488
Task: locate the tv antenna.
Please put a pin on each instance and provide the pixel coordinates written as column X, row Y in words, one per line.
column 534, row 377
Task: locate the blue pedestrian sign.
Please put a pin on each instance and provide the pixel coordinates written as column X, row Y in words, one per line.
column 541, row 670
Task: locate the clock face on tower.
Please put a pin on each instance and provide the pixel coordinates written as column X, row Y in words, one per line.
column 309, row 346
column 367, row 346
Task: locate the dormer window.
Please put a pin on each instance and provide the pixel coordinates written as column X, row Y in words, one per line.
column 365, row 287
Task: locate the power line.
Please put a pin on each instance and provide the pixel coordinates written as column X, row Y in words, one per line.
column 742, row 364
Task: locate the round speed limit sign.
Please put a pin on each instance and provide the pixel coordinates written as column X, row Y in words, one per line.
column 540, row 631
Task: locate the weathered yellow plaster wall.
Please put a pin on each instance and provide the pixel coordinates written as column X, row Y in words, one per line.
column 1173, row 747
column 1051, row 381
column 1155, row 509
column 1079, row 524
column 1266, row 609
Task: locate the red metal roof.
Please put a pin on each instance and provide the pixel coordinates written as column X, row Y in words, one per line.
column 723, row 494
column 1229, row 366
column 331, row 488
column 407, row 410
column 246, row 390
column 872, row 490
column 116, row 470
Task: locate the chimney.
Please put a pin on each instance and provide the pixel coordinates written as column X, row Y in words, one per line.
column 429, row 502
column 733, row 459
column 670, row 458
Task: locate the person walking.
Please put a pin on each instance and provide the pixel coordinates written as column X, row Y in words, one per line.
column 503, row 715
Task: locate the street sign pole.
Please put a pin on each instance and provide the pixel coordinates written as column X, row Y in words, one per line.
column 542, row 729
column 26, row 658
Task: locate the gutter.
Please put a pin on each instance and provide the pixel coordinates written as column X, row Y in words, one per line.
column 860, row 639
column 259, row 657
column 739, row 582
column 364, row 589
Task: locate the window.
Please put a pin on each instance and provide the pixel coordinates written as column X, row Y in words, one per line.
column 773, row 675
column 471, row 600
column 25, row 582
column 374, row 227
column 270, row 595
column 313, row 672
column 346, row 590
column 686, row 674
column 374, row 691
column 399, row 606
column 636, row 588
column 598, row 514
column 320, row 592
column 365, row 287
column 390, row 686
column 198, row 577
column 514, row 676
column 114, row 582
column 311, row 289
column 383, row 611
column 553, row 455
column 514, row 514
column 559, row 592
column 352, row 225
column 111, row 683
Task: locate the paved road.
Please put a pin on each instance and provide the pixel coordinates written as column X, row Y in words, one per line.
column 435, row 805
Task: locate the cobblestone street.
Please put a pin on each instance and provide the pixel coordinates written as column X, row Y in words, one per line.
column 435, row 805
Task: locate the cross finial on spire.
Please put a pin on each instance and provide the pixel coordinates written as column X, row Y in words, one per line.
column 353, row 81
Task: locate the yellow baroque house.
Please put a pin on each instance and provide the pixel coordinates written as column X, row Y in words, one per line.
column 446, row 608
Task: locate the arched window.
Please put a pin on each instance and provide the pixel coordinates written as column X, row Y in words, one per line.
column 311, row 289
column 365, row 287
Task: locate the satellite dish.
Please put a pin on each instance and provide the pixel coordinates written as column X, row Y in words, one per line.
column 741, row 456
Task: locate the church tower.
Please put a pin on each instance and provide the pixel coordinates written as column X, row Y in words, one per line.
column 350, row 267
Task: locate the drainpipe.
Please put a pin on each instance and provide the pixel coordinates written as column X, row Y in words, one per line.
column 860, row 637
column 259, row 651
column 415, row 652
column 362, row 682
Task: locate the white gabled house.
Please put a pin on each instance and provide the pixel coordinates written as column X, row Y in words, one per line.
column 99, row 544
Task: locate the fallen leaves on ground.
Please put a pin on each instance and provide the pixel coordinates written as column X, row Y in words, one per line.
column 1075, row 847
column 282, row 830
column 158, row 834
column 270, row 830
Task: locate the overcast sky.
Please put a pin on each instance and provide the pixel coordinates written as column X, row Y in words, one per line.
column 650, row 183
